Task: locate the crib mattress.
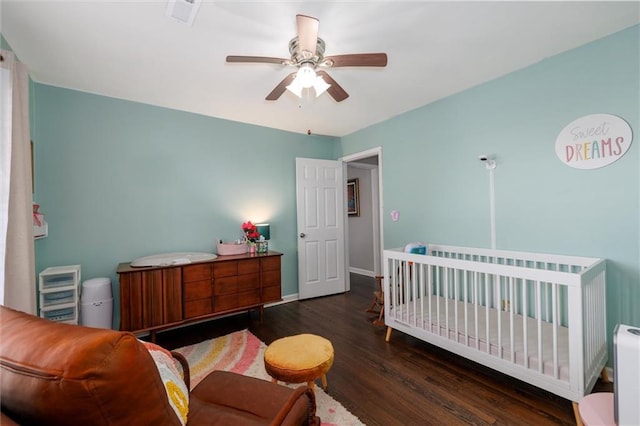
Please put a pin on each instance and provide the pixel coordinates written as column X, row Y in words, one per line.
column 438, row 315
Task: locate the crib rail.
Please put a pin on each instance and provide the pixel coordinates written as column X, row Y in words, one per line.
column 537, row 317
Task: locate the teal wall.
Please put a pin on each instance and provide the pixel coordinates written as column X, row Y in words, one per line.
column 433, row 177
column 118, row 180
column 3, row 43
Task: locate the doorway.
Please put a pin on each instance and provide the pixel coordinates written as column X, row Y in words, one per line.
column 363, row 239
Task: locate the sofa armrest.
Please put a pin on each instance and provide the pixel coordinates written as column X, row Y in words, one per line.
column 236, row 399
column 109, row 376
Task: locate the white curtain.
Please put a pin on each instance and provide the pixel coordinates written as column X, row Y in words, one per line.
column 16, row 200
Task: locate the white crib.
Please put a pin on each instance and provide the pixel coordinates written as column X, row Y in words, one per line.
column 537, row 317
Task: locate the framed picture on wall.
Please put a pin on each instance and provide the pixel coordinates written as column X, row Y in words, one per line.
column 353, row 197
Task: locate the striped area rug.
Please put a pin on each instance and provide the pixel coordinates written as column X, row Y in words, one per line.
column 243, row 353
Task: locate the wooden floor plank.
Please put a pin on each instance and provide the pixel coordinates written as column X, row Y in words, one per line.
column 403, row 382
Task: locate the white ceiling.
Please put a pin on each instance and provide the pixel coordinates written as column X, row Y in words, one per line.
column 130, row 50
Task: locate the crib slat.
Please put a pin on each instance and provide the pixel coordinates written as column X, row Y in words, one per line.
column 511, row 321
column 446, row 301
column 405, row 295
column 539, row 323
column 414, row 301
column 525, row 311
column 487, row 314
column 588, row 322
column 498, row 287
column 465, row 281
column 476, row 291
column 395, row 288
column 422, row 295
column 456, row 295
column 547, row 305
column 431, row 292
column 554, row 302
column 437, row 286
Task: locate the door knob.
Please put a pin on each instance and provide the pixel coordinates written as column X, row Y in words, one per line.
column 302, row 235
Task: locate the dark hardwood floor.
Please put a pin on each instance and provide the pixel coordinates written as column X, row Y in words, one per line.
column 403, row 382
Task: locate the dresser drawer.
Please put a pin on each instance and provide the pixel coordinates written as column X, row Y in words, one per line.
column 251, row 266
column 271, row 294
column 271, row 278
column 61, row 314
column 225, row 285
column 227, row 302
column 57, row 297
column 248, row 282
column 195, row 308
column 248, row 298
column 235, row 284
column 225, row 269
column 271, row 263
column 196, row 272
column 196, row 290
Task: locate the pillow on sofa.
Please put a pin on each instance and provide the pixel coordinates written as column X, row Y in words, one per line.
column 174, row 385
column 56, row 374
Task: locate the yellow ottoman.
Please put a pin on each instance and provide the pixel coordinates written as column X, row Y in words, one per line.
column 298, row 359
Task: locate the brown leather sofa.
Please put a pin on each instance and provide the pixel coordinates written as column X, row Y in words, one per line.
column 60, row 374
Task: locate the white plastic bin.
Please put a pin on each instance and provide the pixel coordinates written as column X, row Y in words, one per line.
column 96, row 303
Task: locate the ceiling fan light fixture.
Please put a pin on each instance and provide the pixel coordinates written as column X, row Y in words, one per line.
column 320, row 86
column 295, row 88
column 306, row 76
column 307, row 54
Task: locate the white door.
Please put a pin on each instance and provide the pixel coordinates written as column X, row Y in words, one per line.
column 321, row 212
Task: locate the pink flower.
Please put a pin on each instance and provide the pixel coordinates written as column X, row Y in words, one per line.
column 251, row 233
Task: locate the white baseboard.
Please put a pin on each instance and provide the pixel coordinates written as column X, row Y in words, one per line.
column 285, row 299
column 362, row 272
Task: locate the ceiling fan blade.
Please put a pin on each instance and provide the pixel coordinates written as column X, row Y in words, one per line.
column 259, row 59
column 336, row 91
column 358, row 60
column 281, row 87
column 307, row 33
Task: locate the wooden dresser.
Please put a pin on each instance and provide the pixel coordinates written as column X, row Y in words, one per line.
column 155, row 298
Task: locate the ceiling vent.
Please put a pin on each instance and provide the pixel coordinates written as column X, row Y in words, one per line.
column 183, row 10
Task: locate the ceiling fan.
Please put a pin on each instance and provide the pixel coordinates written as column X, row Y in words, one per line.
column 307, row 54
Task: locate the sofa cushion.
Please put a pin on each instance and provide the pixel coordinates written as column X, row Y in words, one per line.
column 53, row 373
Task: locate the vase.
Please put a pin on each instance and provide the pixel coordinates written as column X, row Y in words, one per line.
column 252, row 249
column 262, row 247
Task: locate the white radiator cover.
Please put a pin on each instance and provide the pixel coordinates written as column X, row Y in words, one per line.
column 626, row 365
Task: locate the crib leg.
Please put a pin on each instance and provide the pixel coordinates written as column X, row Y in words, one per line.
column 388, row 336
column 604, row 376
column 577, row 414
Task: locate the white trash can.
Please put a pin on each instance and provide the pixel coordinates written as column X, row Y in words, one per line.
column 96, row 303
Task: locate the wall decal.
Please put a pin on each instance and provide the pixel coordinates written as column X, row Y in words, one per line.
column 593, row 141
